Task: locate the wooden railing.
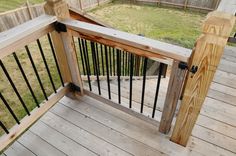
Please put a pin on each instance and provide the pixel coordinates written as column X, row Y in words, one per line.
column 132, row 44
column 199, row 65
column 45, row 87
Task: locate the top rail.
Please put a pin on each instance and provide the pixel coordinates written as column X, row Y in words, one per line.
column 129, row 42
column 21, row 35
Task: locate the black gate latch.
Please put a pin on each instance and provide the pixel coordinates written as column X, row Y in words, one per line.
column 183, row 66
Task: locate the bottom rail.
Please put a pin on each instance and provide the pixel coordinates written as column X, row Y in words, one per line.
column 28, row 121
column 123, row 108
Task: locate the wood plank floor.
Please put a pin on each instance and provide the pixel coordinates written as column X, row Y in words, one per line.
column 90, row 127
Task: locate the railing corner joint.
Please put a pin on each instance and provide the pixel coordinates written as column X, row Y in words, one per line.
column 74, row 88
column 60, row 27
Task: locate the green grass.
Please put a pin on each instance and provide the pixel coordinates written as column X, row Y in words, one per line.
column 6, row 5
column 21, row 86
column 170, row 25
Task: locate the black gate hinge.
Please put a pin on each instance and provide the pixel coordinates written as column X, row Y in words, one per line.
column 59, row 27
column 74, row 88
column 184, row 66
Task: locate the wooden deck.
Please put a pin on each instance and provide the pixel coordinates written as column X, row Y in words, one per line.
column 90, row 127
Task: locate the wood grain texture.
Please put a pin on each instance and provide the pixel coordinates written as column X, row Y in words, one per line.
column 172, row 97
column 129, row 42
column 82, row 137
column 18, row 149
column 219, row 23
column 65, row 47
column 208, row 51
column 23, row 34
column 60, row 141
column 38, row 145
column 83, row 16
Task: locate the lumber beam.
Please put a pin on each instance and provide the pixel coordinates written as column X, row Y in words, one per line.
column 177, row 77
column 129, row 42
column 64, row 44
column 202, row 66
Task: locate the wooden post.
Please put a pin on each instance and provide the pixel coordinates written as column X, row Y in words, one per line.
column 185, row 4
column 217, row 4
column 64, row 45
column 177, row 77
column 159, row 3
column 206, row 57
column 80, row 3
column 29, row 10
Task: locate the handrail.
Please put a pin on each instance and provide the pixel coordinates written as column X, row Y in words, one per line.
column 23, row 34
column 129, row 42
column 11, row 42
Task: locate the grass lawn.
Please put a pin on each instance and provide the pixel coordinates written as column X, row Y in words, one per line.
column 170, row 25
column 13, row 70
column 6, row 5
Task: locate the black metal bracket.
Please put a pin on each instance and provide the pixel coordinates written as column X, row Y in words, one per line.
column 194, row 69
column 60, row 27
column 183, row 66
column 74, row 88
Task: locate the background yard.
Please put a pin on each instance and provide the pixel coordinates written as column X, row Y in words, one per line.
column 170, row 25
column 6, row 5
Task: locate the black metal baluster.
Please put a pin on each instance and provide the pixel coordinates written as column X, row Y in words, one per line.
column 55, row 59
column 142, row 64
column 110, row 61
column 131, row 80
column 93, row 59
column 157, row 89
column 26, row 79
column 103, row 69
column 14, row 87
column 107, row 69
column 46, row 65
column 94, row 70
column 4, row 128
column 144, row 83
column 36, row 72
column 87, row 55
column 118, row 73
column 9, row 108
column 126, row 64
column 96, row 65
column 86, row 64
column 114, row 62
column 123, row 56
column 98, row 60
column 81, row 56
column 129, row 55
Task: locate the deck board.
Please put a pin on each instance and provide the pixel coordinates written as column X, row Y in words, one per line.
column 109, row 134
column 60, row 141
column 38, row 145
column 18, row 149
column 81, row 136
